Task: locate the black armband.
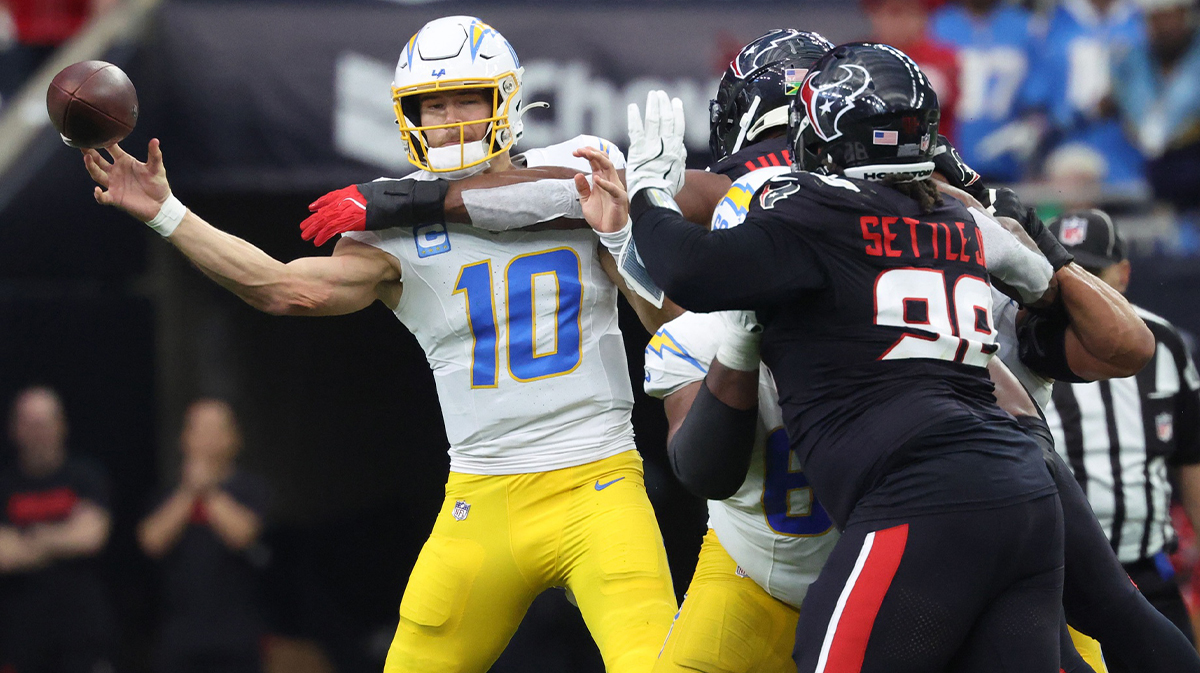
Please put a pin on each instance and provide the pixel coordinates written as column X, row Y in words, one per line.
column 710, row 453
column 404, row 203
column 1042, row 344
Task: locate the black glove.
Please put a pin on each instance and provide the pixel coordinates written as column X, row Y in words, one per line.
column 948, row 162
column 1006, row 203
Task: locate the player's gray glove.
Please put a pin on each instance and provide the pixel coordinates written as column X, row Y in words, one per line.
column 656, row 151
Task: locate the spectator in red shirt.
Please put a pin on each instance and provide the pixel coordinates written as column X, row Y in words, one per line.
column 902, row 24
column 41, row 26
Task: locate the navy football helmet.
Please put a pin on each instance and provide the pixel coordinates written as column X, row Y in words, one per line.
column 868, row 110
column 758, row 85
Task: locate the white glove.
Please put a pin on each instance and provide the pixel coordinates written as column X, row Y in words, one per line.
column 743, row 336
column 656, row 152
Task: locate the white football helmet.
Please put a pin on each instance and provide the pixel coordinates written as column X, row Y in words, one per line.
column 458, row 53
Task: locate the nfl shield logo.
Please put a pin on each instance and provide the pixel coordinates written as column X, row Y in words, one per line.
column 740, row 573
column 1164, row 426
column 1074, row 230
column 461, row 509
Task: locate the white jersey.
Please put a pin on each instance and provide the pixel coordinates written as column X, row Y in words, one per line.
column 520, row 330
column 1004, row 317
column 772, row 527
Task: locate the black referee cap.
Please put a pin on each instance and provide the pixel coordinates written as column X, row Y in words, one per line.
column 1091, row 236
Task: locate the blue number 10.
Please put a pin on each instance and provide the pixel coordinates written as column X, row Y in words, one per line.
column 525, row 363
column 782, row 485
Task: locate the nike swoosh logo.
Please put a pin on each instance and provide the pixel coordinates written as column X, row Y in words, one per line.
column 601, row 487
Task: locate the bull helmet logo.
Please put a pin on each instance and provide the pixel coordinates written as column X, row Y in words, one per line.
column 827, row 103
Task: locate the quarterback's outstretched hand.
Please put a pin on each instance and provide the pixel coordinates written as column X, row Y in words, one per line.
column 337, row 212
column 605, row 205
column 656, row 151
column 137, row 188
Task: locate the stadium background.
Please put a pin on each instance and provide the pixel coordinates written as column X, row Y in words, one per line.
column 261, row 107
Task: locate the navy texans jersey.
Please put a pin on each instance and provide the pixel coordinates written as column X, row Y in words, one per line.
column 878, row 328
column 764, row 154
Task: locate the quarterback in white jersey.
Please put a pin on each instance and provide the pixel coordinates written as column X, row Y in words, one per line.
column 520, row 330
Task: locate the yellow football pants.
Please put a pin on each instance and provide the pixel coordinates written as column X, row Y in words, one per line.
column 499, row 541
column 728, row 624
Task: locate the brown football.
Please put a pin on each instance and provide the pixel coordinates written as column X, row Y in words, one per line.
column 92, row 104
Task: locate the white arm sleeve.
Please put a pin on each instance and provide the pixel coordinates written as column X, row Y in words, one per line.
column 522, row 204
column 1022, row 269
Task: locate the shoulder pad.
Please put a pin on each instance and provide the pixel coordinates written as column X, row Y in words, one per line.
column 680, row 353
column 563, row 154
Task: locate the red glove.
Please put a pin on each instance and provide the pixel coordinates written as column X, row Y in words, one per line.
column 335, row 213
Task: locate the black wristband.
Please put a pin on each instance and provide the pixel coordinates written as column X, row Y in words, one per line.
column 404, row 203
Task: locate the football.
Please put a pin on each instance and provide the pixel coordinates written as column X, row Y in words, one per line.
column 92, row 104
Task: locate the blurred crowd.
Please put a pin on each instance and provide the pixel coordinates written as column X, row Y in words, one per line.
column 1078, row 92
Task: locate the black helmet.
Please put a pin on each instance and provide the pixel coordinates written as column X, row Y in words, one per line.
column 867, row 109
column 758, row 84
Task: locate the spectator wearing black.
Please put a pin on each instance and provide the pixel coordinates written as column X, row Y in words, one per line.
column 54, row 522
column 1121, row 436
column 204, row 533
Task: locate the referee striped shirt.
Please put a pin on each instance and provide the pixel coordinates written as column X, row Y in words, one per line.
column 1119, row 437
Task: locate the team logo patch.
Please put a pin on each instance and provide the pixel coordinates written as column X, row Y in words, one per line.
column 461, row 510
column 432, row 239
column 774, row 193
column 1073, row 231
column 1164, row 426
column 828, row 103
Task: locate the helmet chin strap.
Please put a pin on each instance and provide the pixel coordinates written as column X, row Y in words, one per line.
column 745, row 124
